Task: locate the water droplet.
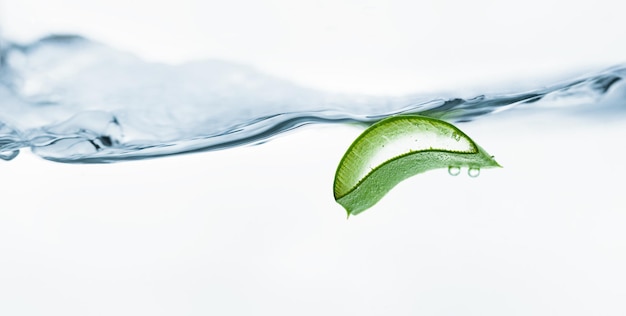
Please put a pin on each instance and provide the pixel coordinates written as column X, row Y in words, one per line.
column 473, row 172
column 454, row 171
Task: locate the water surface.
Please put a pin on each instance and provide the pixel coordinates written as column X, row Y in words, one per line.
column 70, row 99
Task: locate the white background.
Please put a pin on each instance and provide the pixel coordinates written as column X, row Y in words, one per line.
column 255, row 230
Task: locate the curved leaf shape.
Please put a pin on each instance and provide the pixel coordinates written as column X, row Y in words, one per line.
column 397, row 148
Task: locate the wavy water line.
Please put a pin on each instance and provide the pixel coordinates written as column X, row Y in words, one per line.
column 72, row 100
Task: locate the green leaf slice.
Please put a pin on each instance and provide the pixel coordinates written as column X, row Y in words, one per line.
column 397, row 148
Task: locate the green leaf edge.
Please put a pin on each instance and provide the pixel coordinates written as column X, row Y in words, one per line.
column 380, row 180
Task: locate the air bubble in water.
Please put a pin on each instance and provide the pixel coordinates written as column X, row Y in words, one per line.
column 9, row 155
column 454, row 171
column 473, row 172
column 456, row 136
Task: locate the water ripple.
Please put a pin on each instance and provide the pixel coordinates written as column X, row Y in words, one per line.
column 73, row 100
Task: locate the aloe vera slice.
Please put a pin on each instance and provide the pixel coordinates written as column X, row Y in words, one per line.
column 397, row 148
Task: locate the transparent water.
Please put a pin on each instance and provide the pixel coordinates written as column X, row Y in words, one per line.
column 73, row 100
column 254, row 230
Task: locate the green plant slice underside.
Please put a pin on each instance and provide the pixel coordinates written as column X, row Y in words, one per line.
column 397, row 148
